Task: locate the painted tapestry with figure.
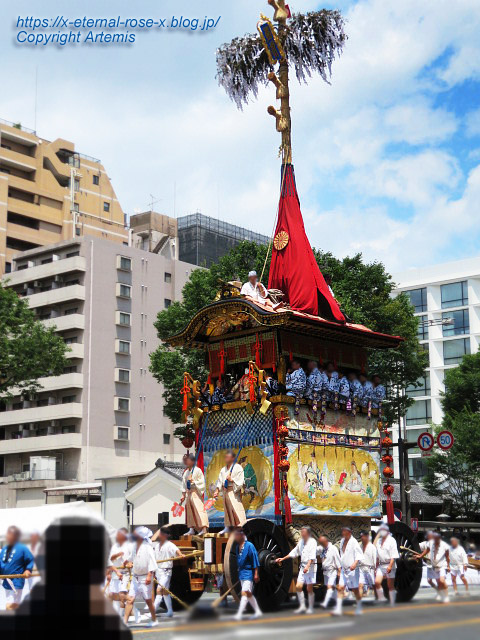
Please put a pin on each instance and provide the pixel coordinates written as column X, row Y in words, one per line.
column 333, row 480
column 253, row 435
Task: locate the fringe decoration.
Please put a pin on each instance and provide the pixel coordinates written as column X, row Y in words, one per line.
column 312, row 43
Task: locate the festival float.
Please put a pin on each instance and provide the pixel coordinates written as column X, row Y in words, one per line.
column 307, row 462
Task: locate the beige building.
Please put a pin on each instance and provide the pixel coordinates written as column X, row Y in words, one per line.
column 49, row 192
column 104, row 415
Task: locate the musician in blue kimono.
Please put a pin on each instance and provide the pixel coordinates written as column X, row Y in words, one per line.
column 219, row 393
column 315, row 380
column 296, row 381
column 343, row 388
column 15, row 558
column 367, row 390
column 248, row 565
column 356, row 388
column 378, row 392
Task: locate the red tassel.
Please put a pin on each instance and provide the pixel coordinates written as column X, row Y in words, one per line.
column 286, row 503
column 185, row 390
column 258, row 348
column 390, row 510
column 209, row 379
column 222, row 359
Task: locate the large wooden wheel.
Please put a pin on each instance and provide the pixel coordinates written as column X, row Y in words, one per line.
column 180, row 585
column 271, row 543
column 409, row 572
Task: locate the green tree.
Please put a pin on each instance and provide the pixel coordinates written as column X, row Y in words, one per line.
column 455, row 474
column 363, row 290
column 28, row 349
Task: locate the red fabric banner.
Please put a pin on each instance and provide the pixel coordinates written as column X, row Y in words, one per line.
column 294, row 269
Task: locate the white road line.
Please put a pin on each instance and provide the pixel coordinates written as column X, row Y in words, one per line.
column 257, row 632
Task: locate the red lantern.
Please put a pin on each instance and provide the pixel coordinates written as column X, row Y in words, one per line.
column 387, row 459
column 282, row 431
column 388, row 489
column 187, row 442
column 283, row 451
column 387, row 442
column 388, row 472
column 284, row 465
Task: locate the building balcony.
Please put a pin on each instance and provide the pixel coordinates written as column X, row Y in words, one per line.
column 66, row 323
column 56, row 296
column 65, row 381
column 76, row 350
column 55, row 268
column 37, row 444
column 17, row 160
column 40, row 414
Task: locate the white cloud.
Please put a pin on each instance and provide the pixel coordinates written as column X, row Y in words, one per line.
column 473, row 123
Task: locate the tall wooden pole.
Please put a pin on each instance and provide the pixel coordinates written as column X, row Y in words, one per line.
column 283, row 117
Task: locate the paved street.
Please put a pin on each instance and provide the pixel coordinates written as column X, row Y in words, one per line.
column 423, row 618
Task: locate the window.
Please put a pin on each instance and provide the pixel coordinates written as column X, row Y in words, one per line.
column 69, row 312
column 123, row 319
column 122, row 346
column 68, row 428
column 71, row 340
column 122, row 375
column 460, row 323
column 71, row 369
column 124, row 290
column 8, row 267
column 123, row 263
column 422, row 330
column 96, row 179
column 77, row 231
column 106, row 206
column 420, row 412
column 422, row 390
column 167, row 277
column 73, row 254
column 121, row 433
column 166, row 438
column 167, row 303
column 69, row 399
column 122, row 404
column 417, row 468
column 76, row 184
column 418, row 298
column 76, row 207
column 454, row 295
column 454, row 350
column 74, row 160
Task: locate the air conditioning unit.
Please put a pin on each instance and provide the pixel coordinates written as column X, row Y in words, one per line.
column 55, row 257
column 52, row 400
column 54, row 423
column 58, row 278
column 25, row 286
column 37, row 284
column 51, row 431
column 31, row 263
column 32, row 427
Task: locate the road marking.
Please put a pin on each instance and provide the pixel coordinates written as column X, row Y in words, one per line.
column 317, row 616
column 408, row 630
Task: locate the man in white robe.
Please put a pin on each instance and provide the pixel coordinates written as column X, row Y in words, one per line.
column 350, row 557
column 368, row 565
column 193, row 488
column 165, row 551
column 120, row 554
column 255, row 290
column 331, row 568
column 458, row 564
column 144, row 567
column 387, row 555
column 306, row 550
column 231, row 482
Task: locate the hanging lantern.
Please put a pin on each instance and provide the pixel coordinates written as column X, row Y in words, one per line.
column 388, row 472
column 188, row 441
column 388, row 490
column 282, row 431
column 387, row 459
column 387, row 442
column 284, row 466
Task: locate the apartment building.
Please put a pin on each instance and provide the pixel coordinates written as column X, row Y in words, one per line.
column 49, row 192
column 446, row 298
column 104, row 415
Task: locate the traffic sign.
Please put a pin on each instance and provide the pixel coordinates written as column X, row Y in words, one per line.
column 425, row 441
column 445, row 440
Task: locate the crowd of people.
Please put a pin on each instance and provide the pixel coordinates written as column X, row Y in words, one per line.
column 140, row 565
column 342, row 388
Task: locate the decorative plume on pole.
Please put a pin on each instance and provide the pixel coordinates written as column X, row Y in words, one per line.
column 309, row 43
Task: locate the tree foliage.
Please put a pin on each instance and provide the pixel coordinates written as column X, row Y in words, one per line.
column 28, row 349
column 363, row 290
column 455, row 474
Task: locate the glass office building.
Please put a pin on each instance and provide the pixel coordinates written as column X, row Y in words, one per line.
column 203, row 240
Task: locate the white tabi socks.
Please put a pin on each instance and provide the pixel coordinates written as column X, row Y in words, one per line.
column 328, row 595
column 301, row 602
column 254, row 604
column 338, row 607
column 381, row 595
column 157, row 602
column 311, row 602
column 168, row 603
column 136, row 614
column 359, row 609
column 393, row 597
column 241, row 608
column 116, row 606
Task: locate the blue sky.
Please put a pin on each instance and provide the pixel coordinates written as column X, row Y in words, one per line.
column 387, row 157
